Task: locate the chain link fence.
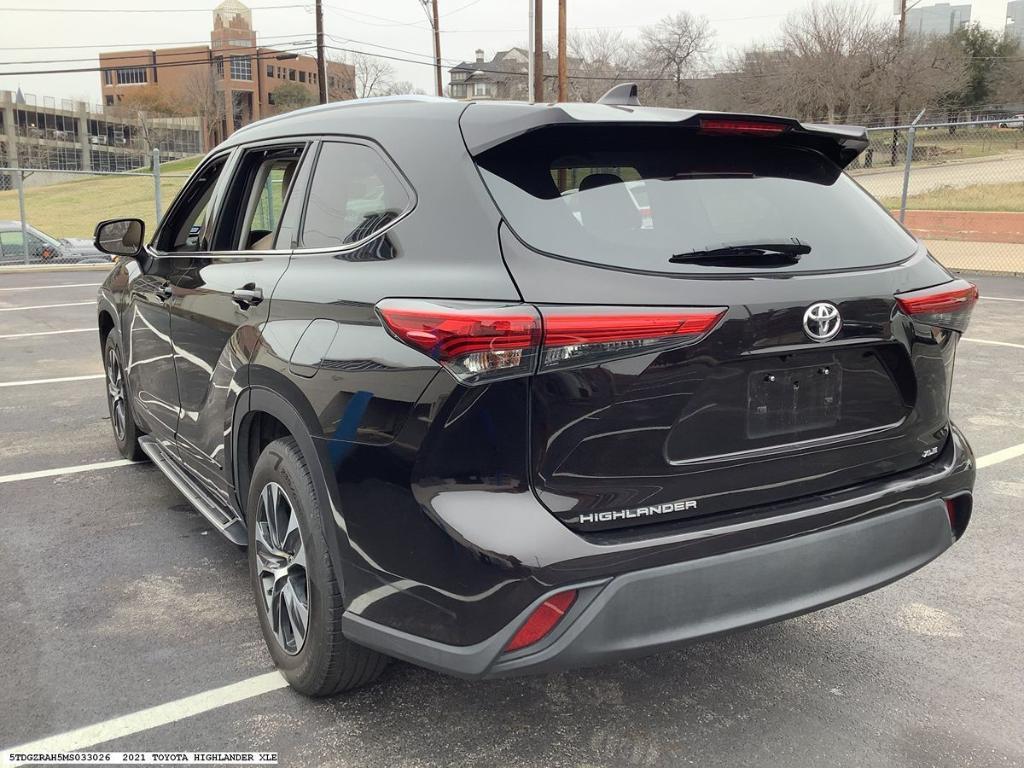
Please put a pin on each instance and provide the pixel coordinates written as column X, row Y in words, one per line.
column 957, row 186
column 47, row 216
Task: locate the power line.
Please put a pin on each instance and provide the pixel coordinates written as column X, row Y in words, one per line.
column 144, row 45
column 143, row 55
column 161, row 65
column 142, row 10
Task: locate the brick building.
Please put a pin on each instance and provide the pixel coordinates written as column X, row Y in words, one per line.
column 229, row 83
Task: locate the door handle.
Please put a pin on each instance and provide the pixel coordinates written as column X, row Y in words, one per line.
column 165, row 292
column 247, row 296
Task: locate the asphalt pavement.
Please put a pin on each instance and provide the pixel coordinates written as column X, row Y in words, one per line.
column 120, row 598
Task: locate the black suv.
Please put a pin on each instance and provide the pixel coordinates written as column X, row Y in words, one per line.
column 501, row 388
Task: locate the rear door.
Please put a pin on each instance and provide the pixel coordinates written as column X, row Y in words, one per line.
column 222, row 298
column 688, row 369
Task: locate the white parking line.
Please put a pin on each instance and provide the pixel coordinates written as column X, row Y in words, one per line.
column 45, row 333
column 163, row 714
column 57, row 471
column 999, row 298
column 47, row 306
column 998, row 457
column 50, row 381
column 993, row 343
column 58, row 285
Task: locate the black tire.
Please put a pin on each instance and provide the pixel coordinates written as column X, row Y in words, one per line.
column 119, row 401
column 323, row 662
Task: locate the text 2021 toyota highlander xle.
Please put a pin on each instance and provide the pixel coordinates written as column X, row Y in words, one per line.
column 501, row 388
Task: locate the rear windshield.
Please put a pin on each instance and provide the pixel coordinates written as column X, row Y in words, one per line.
column 635, row 196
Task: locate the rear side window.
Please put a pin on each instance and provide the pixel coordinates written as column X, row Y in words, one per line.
column 353, row 194
column 635, row 196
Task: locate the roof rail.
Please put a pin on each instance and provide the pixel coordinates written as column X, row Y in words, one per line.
column 623, row 95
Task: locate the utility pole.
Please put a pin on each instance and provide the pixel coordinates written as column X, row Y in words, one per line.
column 563, row 66
column 321, row 62
column 896, row 104
column 437, row 49
column 538, row 50
column 530, row 61
column 430, row 8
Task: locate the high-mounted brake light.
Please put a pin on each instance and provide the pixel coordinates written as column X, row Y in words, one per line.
column 480, row 342
column 743, row 127
column 542, row 620
column 948, row 305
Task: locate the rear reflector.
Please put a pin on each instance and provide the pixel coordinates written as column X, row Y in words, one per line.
column 948, row 305
column 480, row 342
column 743, row 127
column 542, row 620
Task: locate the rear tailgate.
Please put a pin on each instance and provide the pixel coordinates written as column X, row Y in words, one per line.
column 754, row 410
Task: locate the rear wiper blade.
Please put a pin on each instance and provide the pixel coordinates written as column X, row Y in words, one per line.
column 792, row 248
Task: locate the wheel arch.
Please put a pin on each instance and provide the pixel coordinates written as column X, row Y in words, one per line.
column 262, row 415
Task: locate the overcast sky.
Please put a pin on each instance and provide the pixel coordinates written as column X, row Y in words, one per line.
column 34, row 35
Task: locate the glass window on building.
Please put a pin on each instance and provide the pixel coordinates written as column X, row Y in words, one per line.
column 108, row 77
column 131, row 75
column 241, row 68
column 270, row 70
column 479, row 89
column 291, row 74
column 302, row 76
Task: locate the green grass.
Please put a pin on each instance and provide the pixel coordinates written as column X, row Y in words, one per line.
column 938, row 144
column 72, row 208
column 979, row 197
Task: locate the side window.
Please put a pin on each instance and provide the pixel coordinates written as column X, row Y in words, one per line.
column 353, row 194
column 187, row 228
column 259, row 192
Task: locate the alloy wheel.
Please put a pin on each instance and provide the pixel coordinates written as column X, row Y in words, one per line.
column 281, row 568
column 115, row 392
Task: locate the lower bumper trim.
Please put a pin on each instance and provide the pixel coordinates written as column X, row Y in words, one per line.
column 649, row 610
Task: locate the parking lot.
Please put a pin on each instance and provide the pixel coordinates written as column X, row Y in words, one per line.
column 126, row 611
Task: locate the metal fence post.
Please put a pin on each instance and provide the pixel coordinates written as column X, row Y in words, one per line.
column 20, row 178
column 906, row 165
column 156, row 184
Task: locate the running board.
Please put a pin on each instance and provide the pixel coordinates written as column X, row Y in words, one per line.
column 222, row 519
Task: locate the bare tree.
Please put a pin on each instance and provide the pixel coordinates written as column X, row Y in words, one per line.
column 374, row 76
column 674, row 48
column 202, row 98
column 598, row 59
column 147, row 109
column 403, row 88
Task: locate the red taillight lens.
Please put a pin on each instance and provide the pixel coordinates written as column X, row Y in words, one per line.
column 577, row 335
column 474, row 342
column 948, row 305
column 742, row 127
column 480, row 342
column 542, row 620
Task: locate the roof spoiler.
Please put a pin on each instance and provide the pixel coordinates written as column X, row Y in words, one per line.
column 487, row 125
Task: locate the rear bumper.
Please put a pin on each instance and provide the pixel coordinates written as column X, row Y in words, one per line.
column 655, row 608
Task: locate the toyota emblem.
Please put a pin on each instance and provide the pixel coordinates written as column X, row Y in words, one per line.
column 822, row 321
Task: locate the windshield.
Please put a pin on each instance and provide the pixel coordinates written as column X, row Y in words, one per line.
column 635, row 196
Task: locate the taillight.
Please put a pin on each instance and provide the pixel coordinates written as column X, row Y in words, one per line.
column 580, row 335
column 475, row 342
column 480, row 342
column 741, row 127
column 948, row 305
column 542, row 620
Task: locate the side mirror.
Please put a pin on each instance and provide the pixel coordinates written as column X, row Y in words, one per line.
column 120, row 237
